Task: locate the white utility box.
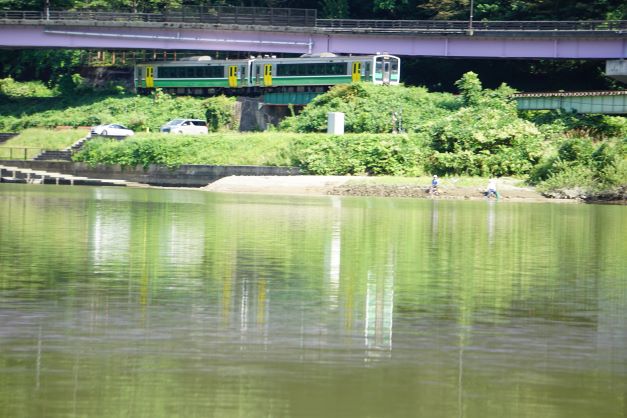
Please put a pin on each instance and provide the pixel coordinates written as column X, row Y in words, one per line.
column 335, row 123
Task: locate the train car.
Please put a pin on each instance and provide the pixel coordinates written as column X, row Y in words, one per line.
column 206, row 76
column 192, row 76
column 324, row 71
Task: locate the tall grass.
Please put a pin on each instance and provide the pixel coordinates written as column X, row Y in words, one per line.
column 224, row 148
column 46, row 138
column 32, row 142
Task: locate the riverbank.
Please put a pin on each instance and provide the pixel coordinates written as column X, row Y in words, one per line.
column 455, row 189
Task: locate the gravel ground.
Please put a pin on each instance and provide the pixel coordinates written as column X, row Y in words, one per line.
column 363, row 186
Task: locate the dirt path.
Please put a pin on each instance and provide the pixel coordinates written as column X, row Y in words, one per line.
column 364, row 186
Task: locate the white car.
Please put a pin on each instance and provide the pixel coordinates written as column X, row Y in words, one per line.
column 112, row 129
column 185, row 126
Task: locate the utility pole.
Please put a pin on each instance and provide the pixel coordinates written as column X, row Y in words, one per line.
column 472, row 7
column 47, row 9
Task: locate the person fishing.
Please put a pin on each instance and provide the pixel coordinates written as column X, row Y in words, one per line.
column 491, row 189
column 435, row 183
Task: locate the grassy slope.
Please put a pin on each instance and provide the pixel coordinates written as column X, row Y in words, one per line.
column 37, row 139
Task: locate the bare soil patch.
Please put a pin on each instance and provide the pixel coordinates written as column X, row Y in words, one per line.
column 509, row 189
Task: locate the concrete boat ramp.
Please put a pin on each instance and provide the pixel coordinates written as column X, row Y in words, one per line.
column 10, row 174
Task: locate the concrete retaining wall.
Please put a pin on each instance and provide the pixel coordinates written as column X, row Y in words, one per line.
column 184, row 176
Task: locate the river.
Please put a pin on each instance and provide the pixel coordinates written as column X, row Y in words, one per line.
column 118, row 302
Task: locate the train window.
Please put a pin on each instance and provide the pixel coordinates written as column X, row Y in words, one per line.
column 191, row 72
column 332, row 68
column 286, row 70
column 378, row 70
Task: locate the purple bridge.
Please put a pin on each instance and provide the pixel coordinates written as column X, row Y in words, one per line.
column 257, row 32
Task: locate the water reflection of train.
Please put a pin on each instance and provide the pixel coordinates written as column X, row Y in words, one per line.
column 202, row 75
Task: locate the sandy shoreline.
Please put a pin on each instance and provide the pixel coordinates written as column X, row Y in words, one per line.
column 364, row 186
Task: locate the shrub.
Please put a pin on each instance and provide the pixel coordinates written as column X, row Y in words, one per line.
column 485, row 137
column 373, row 109
column 577, row 124
column 360, row 154
column 219, row 113
column 137, row 112
column 12, row 88
column 592, row 169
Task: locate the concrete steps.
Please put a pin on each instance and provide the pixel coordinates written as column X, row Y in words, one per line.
column 5, row 136
column 78, row 144
column 62, row 155
column 10, row 174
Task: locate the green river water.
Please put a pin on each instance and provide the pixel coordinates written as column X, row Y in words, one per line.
column 119, row 302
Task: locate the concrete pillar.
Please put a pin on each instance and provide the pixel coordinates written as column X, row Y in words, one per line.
column 335, row 123
column 616, row 69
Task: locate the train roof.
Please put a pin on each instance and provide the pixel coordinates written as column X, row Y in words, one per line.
column 312, row 58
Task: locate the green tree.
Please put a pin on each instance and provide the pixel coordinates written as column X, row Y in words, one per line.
column 334, row 9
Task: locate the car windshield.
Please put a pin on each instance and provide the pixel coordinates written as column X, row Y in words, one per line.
column 175, row 122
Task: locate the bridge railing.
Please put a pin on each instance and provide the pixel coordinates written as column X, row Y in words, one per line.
column 464, row 25
column 262, row 16
column 20, row 15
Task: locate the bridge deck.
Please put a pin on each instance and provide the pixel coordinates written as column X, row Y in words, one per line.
column 271, row 19
column 303, row 33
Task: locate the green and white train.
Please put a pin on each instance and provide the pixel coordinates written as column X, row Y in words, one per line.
column 202, row 75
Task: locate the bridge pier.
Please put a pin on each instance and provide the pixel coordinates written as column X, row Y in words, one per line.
column 617, row 69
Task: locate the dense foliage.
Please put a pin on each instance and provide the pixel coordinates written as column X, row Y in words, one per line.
column 391, row 130
column 137, row 112
column 174, row 150
column 10, row 88
column 314, row 153
column 478, row 133
column 371, row 9
column 485, row 136
column 355, row 154
column 369, row 108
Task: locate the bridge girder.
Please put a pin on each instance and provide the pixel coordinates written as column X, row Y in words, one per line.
column 309, row 41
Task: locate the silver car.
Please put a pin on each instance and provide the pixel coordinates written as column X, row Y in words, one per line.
column 185, row 126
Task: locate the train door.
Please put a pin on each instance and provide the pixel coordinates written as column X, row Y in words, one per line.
column 356, row 71
column 250, row 72
column 383, row 70
column 150, row 81
column 232, row 75
column 256, row 76
column 267, row 74
column 386, row 71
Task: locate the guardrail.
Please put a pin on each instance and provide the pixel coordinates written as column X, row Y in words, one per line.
column 264, row 16
column 19, row 153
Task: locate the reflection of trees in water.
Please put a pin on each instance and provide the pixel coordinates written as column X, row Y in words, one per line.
column 363, row 260
column 457, row 292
